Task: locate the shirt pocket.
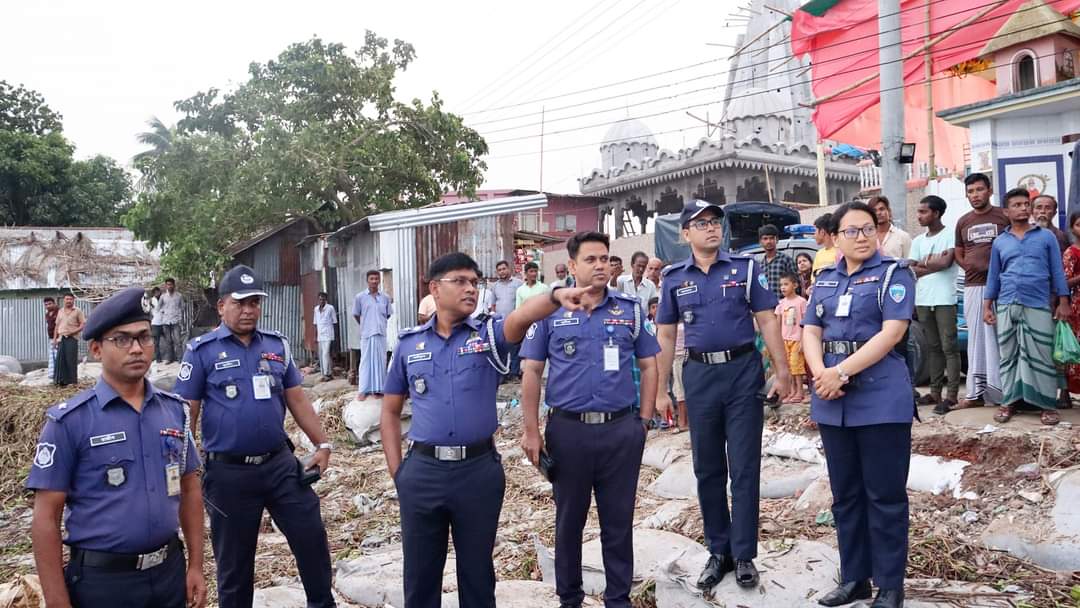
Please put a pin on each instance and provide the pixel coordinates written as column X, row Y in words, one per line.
column 864, row 303
column 565, row 333
column 111, row 466
column 421, row 369
column 688, row 301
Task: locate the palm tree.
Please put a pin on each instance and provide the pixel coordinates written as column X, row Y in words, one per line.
column 159, row 138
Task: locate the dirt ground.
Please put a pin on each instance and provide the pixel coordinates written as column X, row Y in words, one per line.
column 360, row 509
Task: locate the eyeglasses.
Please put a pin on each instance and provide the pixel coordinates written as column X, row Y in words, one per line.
column 461, row 282
column 852, row 233
column 706, row 224
column 123, row 341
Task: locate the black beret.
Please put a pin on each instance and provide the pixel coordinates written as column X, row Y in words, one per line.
column 126, row 306
column 241, row 282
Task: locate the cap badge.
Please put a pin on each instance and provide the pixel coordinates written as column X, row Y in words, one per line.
column 702, row 204
column 247, row 279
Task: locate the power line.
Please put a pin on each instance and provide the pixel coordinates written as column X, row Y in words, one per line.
column 571, row 51
column 515, row 70
column 678, row 95
column 670, row 131
column 702, row 63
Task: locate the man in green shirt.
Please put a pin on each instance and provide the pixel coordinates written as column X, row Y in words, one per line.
column 532, row 284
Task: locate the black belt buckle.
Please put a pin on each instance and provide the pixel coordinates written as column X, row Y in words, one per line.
column 450, row 453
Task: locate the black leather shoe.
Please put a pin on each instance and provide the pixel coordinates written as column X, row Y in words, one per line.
column 714, row 571
column 846, row 593
column 746, row 575
column 889, row 598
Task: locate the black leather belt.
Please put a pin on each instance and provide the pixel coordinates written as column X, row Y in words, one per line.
column 721, row 356
column 126, row 561
column 842, row 347
column 228, row 458
column 591, row 417
column 454, row 453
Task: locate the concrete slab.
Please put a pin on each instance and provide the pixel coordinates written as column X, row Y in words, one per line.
column 333, row 387
column 978, row 417
column 1055, row 544
column 376, row 579
column 279, row 597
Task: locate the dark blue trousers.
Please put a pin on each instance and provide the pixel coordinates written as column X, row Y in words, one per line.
column 868, row 470
column 163, row 586
column 438, row 499
column 601, row 458
column 726, row 418
column 236, row 496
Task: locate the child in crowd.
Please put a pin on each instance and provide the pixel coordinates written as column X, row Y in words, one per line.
column 790, row 311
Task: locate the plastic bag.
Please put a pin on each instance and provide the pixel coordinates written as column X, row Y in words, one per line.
column 1066, row 346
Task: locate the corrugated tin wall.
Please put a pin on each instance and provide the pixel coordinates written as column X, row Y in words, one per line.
column 282, row 312
column 352, row 258
column 487, row 240
column 431, row 242
column 265, row 259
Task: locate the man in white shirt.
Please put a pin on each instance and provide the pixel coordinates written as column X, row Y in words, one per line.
column 156, row 321
column 636, row 284
column 562, row 277
column 325, row 319
column 172, row 334
column 892, row 241
column 935, row 303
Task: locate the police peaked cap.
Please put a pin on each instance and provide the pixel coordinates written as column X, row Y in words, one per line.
column 126, row 306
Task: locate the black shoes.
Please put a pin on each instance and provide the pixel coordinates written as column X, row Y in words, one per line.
column 715, row 569
column 889, row 598
column 846, row 593
column 746, row 575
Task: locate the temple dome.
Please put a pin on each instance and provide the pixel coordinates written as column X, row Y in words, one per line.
column 627, row 141
column 753, row 102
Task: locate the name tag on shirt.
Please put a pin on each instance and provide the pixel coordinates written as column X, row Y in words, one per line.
column 827, row 284
column 843, row 305
column 260, row 386
column 172, row 479
column 107, row 439
column 611, row 358
column 227, row 364
column 683, row 291
column 562, row 322
column 418, row 357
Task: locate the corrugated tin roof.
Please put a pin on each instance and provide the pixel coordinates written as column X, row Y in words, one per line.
column 56, row 258
column 238, row 248
column 410, row 218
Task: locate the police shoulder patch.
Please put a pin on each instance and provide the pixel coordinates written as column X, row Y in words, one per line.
column 185, row 372
column 529, row 335
column 763, row 280
column 897, row 292
column 650, row 328
column 43, row 455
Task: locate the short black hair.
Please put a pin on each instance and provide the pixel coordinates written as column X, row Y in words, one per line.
column 612, row 259
column 791, row 277
column 530, row 266
column 573, row 245
column 170, row 280
column 843, row 210
column 49, row 299
column 977, row 177
column 324, row 294
column 935, row 203
column 501, row 263
column 1015, row 192
column 878, row 198
column 767, row 230
column 69, row 295
column 371, row 272
column 450, row 262
column 638, row 255
column 653, row 300
column 1075, row 215
column 824, row 222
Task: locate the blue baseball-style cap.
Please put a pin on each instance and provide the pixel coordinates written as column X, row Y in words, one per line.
column 126, row 306
column 241, row 282
column 695, row 207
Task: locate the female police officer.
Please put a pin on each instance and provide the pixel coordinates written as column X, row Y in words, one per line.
column 858, row 313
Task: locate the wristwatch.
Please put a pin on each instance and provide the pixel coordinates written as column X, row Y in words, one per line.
column 329, row 447
column 843, row 376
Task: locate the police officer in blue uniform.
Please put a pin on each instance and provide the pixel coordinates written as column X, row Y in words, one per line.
column 120, row 458
column 451, row 481
column 858, row 314
column 718, row 297
column 592, row 434
column 245, row 378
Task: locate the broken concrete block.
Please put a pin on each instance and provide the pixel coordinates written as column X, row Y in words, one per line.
column 667, row 514
column 660, row 457
column 10, row 365
column 362, row 420
column 279, row 597
column 935, row 474
column 333, row 387
column 817, row 497
column 1053, row 544
column 782, row 478
column 36, row 378
column 677, row 481
column 789, row 445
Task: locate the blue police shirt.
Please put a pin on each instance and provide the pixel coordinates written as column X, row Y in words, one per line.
column 881, row 393
column 450, row 381
column 111, row 462
column 221, row 371
column 575, row 341
column 713, row 306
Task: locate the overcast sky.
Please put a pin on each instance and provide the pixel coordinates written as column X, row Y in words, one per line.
column 107, row 67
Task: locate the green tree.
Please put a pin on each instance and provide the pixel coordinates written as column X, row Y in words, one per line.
column 316, row 132
column 40, row 183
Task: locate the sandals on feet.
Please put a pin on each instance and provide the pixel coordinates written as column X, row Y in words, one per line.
column 1050, row 417
column 1004, row 414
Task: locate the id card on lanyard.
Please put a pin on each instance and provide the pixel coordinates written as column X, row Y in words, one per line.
column 843, row 306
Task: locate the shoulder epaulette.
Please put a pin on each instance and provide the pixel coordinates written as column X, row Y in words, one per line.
column 626, row 296
column 409, row 331
column 58, row 411
column 273, row 332
column 675, row 266
column 198, row 341
column 171, row 395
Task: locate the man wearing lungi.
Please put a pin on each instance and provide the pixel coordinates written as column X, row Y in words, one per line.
column 372, row 309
